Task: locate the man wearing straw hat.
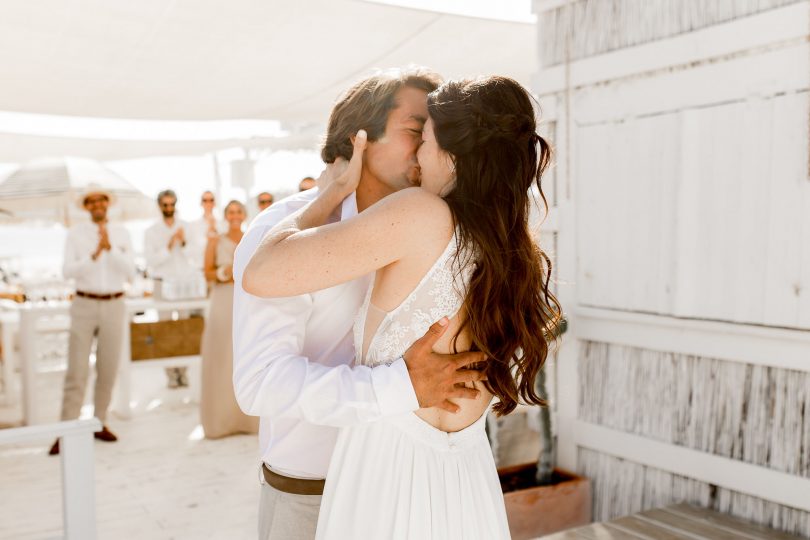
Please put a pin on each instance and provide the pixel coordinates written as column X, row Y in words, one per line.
column 98, row 256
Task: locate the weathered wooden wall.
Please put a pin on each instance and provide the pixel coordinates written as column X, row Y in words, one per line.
column 593, row 27
column 755, row 414
column 682, row 212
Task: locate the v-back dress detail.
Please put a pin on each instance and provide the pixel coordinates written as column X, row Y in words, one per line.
column 400, row 477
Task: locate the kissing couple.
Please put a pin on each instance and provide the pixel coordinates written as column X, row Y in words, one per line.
column 381, row 317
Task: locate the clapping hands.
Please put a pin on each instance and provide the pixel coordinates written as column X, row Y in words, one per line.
column 103, row 241
column 179, row 236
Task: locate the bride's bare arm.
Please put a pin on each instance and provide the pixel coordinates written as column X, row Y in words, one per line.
column 293, row 259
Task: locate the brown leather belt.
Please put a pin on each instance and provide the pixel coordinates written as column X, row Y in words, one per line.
column 91, row 296
column 294, row 486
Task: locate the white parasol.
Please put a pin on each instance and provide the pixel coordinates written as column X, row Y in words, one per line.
column 48, row 188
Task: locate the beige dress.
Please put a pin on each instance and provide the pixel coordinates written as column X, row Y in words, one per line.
column 219, row 413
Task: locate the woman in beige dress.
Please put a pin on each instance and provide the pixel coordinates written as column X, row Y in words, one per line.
column 219, row 413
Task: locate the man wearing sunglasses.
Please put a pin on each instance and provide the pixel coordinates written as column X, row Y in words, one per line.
column 264, row 200
column 204, row 228
column 165, row 244
column 167, row 254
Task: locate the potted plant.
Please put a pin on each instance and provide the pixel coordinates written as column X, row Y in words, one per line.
column 539, row 498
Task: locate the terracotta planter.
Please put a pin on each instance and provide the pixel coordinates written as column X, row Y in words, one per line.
column 534, row 511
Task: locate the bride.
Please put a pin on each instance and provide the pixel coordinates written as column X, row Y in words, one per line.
column 456, row 248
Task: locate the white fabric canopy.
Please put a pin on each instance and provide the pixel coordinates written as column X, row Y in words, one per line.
column 197, row 60
column 16, row 148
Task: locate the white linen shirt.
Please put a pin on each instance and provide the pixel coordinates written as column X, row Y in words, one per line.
column 162, row 262
column 292, row 361
column 110, row 270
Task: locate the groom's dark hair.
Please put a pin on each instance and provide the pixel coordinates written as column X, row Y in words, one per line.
column 366, row 105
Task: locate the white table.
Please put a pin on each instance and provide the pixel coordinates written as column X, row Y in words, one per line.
column 122, row 405
column 30, row 326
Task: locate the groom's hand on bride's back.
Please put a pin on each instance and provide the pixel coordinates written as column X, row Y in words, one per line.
column 438, row 377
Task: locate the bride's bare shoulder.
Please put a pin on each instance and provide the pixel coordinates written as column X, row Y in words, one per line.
column 417, row 203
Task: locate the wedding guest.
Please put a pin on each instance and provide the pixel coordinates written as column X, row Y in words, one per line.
column 264, row 200
column 98, row 256
column 306, row 184
column 168, row 254
column 201, row 229
column 219, row 413
column 165, row 243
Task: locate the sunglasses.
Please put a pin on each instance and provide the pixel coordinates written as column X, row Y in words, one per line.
column 207, row 199
column 265, row 201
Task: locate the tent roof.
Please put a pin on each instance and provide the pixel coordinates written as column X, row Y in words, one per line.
column 17, row 148
column 202, row 60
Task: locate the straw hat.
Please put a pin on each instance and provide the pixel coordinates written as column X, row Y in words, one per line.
column 94, row 189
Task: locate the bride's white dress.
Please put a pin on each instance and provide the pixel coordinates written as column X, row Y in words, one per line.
column 400, row 477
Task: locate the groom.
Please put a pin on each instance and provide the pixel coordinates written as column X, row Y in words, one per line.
column 293, row 356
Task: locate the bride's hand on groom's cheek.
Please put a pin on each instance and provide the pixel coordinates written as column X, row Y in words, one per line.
column 346, row 174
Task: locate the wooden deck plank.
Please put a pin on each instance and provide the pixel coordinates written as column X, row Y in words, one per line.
column 647, row 530
column 697, row 529
column 676, row 522
column 745, row 528
column 595, row 531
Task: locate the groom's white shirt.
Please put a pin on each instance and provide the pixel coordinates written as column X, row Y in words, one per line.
column 292, row 361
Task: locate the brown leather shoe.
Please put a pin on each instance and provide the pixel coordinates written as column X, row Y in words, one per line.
column 105, row 435
column 54, row 451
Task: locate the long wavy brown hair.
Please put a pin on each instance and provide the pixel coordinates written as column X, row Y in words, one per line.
column 488, row 127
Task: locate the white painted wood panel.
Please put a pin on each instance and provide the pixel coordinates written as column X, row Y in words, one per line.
column 804, row 291
column 707, row 222
column 753, row 75
column 750, row 344
column 789, row 185
column 748, row 261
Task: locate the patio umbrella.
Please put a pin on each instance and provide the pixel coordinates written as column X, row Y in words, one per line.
column 49, row 188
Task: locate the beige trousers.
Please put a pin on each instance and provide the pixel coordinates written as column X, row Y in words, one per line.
column 88, row 319
column 283, row 516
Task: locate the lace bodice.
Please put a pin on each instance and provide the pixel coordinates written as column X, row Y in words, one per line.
column 440, row 292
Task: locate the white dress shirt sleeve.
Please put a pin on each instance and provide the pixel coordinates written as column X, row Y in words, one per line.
column 155, row 250
column 273, row 379
column 75, row 262
column 121, row 254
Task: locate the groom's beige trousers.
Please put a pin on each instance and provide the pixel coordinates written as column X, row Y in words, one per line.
column 284, row 516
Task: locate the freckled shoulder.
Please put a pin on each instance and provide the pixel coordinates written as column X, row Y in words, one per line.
column 420, row 208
